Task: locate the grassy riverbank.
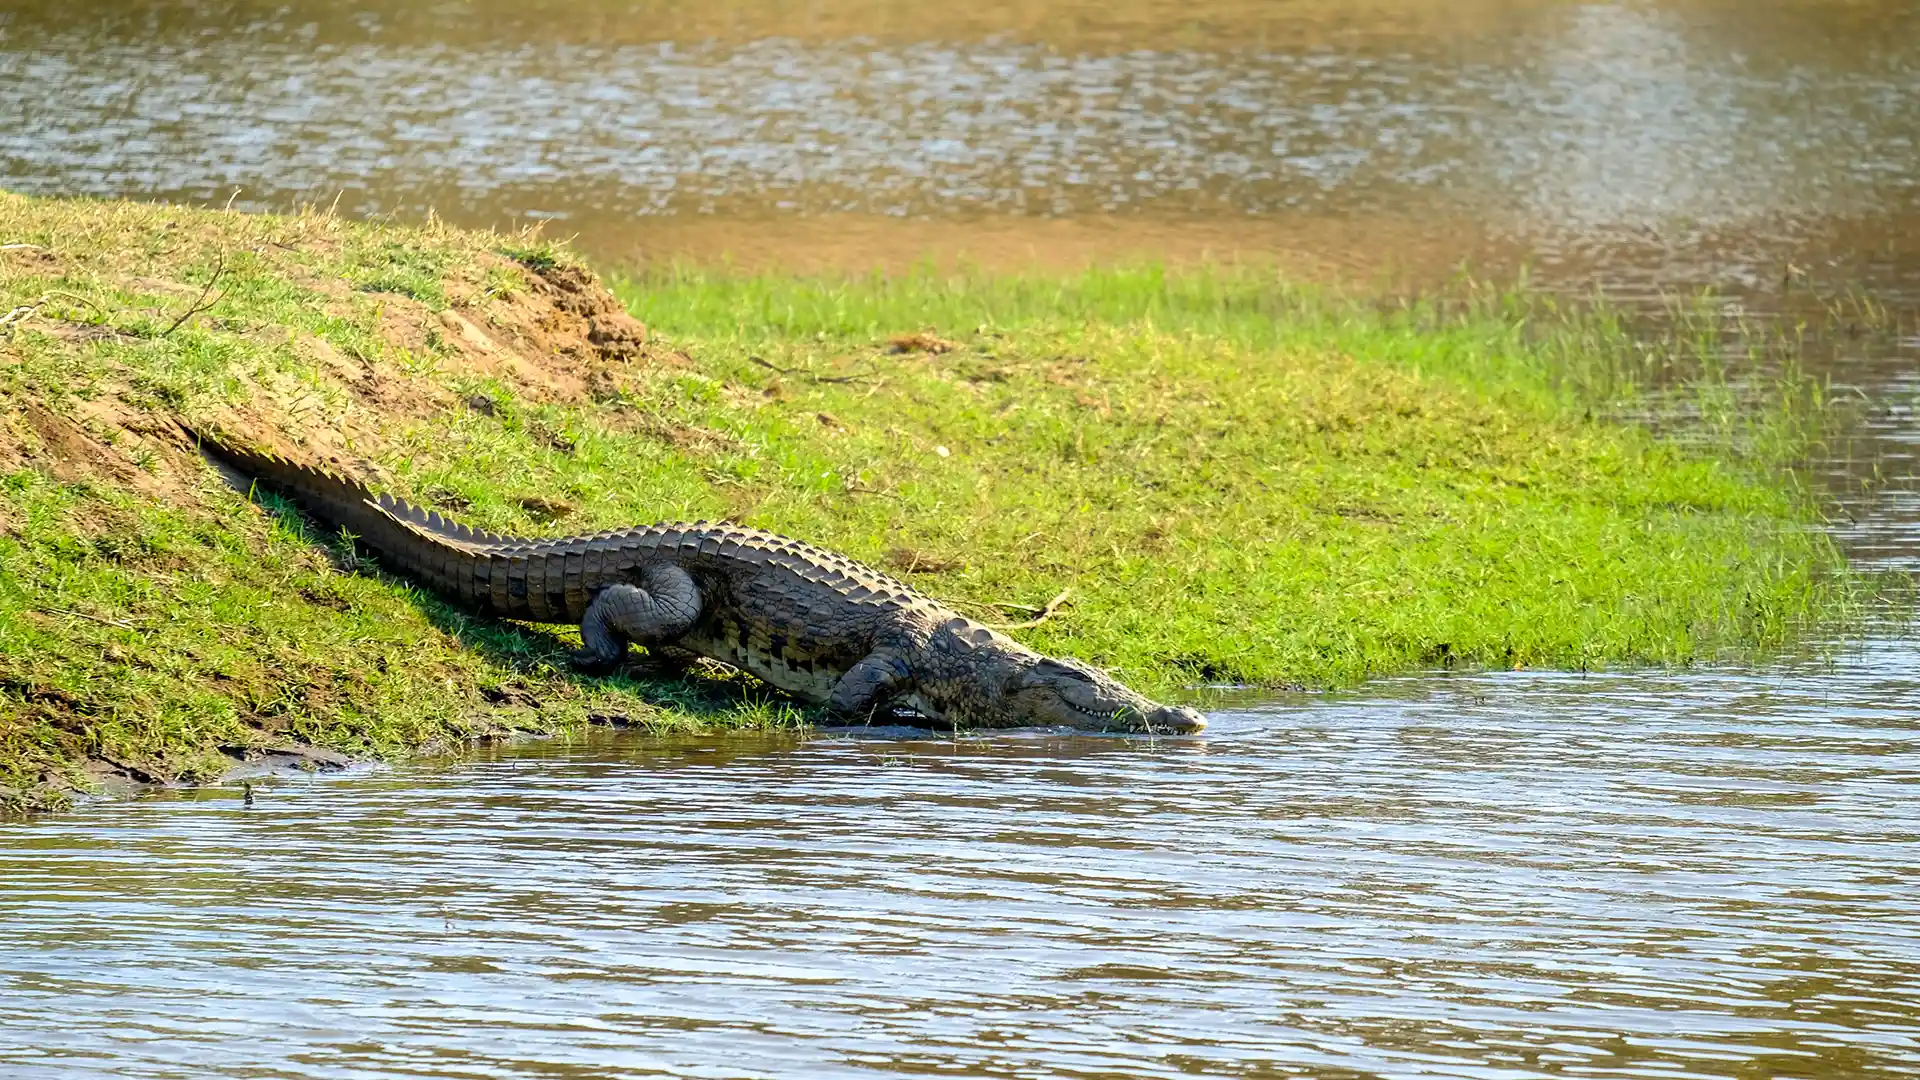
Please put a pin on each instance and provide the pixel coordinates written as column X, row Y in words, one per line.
column 1237, row 481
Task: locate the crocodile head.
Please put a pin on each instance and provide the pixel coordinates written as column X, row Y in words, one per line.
column 973, row 677
column 1052, row 691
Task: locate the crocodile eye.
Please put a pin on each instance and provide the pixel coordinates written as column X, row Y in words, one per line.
column 1044, row 675
column 1050, row 668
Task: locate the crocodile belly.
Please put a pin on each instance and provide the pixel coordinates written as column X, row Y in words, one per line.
column 809, row 680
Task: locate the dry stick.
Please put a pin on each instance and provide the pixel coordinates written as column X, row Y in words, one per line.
column 92, row 618
column 1053, row 605
column 862, row 376
column 20, row 314
column 857, row 489
column 97, row 309
column 1008, row 605
column 201, row 304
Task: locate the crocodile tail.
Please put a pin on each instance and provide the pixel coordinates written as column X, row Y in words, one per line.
column 407, row 538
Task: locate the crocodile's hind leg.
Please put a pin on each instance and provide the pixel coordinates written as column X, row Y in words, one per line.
column 870, row 684
column 663, row 606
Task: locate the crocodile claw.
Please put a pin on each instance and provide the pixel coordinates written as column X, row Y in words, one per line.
column 588, row 662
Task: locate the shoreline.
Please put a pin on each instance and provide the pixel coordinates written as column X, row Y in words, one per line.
column 1238, row 479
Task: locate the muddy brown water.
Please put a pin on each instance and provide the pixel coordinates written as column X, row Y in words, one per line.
column 1709, row 873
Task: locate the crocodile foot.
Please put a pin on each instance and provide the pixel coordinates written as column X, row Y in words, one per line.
column 588, row 662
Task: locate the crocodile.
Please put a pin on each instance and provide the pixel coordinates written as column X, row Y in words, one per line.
column 817, row 625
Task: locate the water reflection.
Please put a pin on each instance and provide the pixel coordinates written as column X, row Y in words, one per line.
column 1499, row 875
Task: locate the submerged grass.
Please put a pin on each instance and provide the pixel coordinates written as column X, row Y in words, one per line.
column 1238, row 480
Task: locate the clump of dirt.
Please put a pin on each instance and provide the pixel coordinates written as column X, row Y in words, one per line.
column 546, row 510
column 913, row 561
column 921, row 342
column 562, row 337
column 609, row 328
column 105, row 440
column 31, row 258
column 565, row 334
column 12, row 453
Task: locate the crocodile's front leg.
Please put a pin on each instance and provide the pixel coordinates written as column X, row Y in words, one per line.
column 868, row 684
column 663, row 606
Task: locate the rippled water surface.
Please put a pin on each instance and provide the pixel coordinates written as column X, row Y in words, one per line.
column 1704, row 873
column 1491, row 876
column 1658, row 144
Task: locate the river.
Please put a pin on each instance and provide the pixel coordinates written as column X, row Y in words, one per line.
column 1703, row 873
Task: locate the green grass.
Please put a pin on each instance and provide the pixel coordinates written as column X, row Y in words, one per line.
column 1239, row 480
column 1245, row 481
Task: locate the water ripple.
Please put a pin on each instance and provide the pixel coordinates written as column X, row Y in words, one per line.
column 1521, row 874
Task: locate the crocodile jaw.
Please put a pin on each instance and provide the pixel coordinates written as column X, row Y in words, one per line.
column 1147, row 718
column 1002, row 684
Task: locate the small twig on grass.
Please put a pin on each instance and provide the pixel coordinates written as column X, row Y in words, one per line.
column 1008, row 605
column 92, row 618
column 202, row 304
column 76, row 298
column 857, row 489
column 20, row 314
column 859, row 376
column 1046, row 613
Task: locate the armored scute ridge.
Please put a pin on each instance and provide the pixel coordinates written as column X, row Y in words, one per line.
column 817, row 625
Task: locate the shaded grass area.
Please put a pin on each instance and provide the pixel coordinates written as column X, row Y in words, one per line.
column 1239, row 481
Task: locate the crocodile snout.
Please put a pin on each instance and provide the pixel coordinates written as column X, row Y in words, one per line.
column 1175, row 720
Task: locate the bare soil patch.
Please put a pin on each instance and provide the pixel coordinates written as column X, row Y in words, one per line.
column 562, row 337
